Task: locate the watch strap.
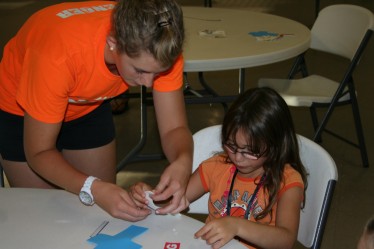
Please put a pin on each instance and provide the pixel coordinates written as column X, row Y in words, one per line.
column 87, row 189
column 88, row 183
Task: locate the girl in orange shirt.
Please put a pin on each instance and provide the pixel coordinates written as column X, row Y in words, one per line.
column 257, row 185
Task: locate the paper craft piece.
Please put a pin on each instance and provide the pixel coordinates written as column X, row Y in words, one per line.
column 268, row 36
column 150, row 204
column 212, row 33
column 120, row 240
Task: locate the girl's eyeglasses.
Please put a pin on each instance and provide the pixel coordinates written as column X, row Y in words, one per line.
column 247, row 154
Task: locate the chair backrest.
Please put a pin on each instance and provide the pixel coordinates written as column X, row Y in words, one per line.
column 322, row 179
column 321, row 182
column 206, row 142
column 339, row 29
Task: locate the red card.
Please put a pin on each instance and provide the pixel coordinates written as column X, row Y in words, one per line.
column 172, row 245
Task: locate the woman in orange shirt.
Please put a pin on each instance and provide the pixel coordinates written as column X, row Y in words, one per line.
column 57, row 76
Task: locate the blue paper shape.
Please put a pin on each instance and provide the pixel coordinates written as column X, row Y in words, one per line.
column 120, row 240
column 263, row 33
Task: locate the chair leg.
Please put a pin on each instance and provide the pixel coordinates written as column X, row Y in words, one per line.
column 359, row 130
column 210, row 90
column 313, row 114
column 2, row 181
column 357, row 121
column 299, row 66
column 316, row 11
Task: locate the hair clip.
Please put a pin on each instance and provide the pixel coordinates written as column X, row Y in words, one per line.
column 164, row 18
column 161, row 12
column 164, row 23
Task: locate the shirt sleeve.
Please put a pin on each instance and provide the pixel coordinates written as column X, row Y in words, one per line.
column 292, row 179
column 44, row 87
column 172, row 79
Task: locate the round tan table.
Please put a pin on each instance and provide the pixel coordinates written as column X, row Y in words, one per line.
column 239, row 49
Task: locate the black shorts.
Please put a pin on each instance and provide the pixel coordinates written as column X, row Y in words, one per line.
column 90, row 131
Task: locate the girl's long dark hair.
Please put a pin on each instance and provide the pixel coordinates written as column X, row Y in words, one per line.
column 263, row 115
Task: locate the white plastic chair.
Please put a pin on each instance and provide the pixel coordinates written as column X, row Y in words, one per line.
column 342, row 30
column 206, row 142
column 322, row 179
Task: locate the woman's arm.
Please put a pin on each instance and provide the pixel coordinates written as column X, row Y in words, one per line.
column 43, row 157
column 281, row 236
column 177, row 144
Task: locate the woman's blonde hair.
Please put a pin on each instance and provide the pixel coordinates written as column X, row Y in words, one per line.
column 154, row 26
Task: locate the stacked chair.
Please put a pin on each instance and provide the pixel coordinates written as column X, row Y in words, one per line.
column 341, row 30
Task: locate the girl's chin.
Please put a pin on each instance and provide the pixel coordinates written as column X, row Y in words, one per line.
column 247, row 172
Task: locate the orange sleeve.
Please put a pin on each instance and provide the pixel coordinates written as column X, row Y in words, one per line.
column 292, row 179
column 50, row 84
column 213, row 172
column 172, row 80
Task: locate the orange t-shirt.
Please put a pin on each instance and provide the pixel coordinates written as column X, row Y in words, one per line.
column 216, row 176
column 54, row 67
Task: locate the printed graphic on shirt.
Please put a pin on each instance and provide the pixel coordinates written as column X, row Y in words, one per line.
column 82, row 100
column 84, row 10
column 239, row 205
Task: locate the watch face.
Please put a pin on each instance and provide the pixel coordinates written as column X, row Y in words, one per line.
column 85, row 198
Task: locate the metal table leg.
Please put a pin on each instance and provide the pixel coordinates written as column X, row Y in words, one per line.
column 135, row 154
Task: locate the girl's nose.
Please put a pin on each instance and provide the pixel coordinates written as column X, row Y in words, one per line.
column 238, row 156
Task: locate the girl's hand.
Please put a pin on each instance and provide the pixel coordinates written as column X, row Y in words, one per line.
column 137, row 192
column 117, row 202
column 218, row 232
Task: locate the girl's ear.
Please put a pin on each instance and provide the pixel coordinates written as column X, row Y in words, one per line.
column 111, row 41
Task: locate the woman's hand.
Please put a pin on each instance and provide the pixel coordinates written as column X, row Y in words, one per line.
column 218, row 232
column 117, row 202
column 137, row 192
column 172, row 185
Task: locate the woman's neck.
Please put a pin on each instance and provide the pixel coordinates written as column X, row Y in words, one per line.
column 112, row 68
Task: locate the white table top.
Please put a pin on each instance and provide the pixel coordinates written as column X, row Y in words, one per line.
column 238, row 49
column 38, row 219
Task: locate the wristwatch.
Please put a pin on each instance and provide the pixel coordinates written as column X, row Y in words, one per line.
column 85, row 195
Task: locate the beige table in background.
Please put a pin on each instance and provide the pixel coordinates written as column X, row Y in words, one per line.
column 237, row 50
column 55, row 219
